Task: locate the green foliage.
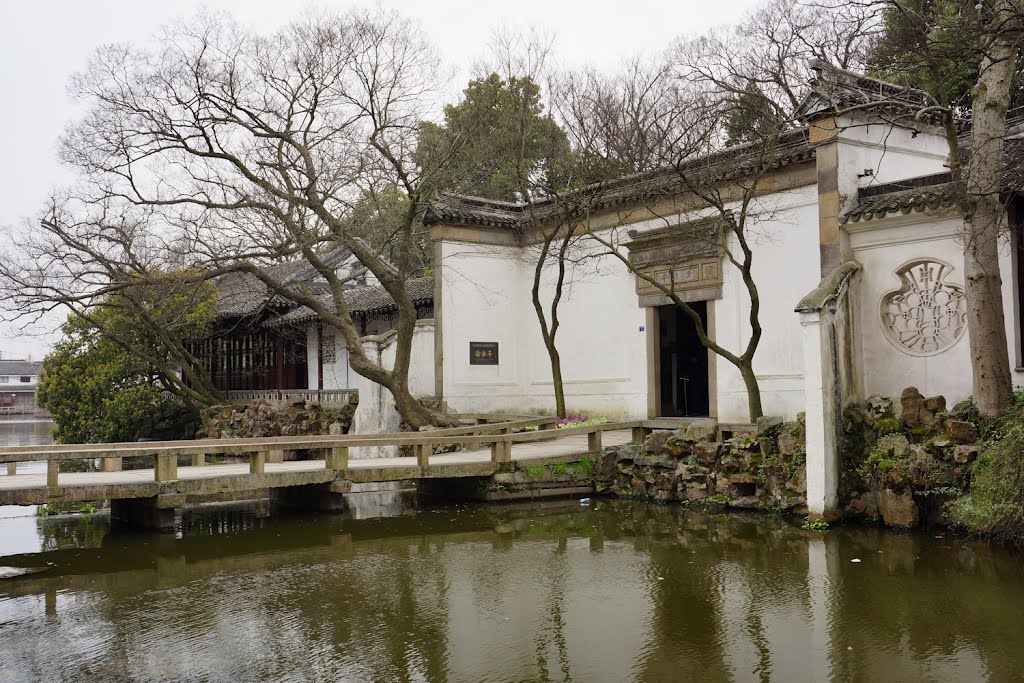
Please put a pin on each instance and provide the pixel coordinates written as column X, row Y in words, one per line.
column 96, row 389
column 583, row 423
column 47, row 510
column 819, row 525
column 888, row 425
column 536, row 471
column 930, row 45
column 894, row 462
column 994, row 503
column 496, row 143
column 87, row 509
column 751, row 117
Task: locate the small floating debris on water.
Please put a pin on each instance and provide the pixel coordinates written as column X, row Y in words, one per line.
column 15, row 572
column 855, row 560
column 584, row 501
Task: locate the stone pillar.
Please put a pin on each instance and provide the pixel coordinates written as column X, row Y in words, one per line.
column 822, row 446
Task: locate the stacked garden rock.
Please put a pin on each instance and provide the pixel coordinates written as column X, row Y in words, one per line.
column 902, row 462
column 763, row 469
column 262, row 419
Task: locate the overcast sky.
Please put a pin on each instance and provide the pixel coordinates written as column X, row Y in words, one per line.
column 43, row 42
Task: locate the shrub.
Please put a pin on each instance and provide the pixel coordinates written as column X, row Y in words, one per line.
column 994, row 503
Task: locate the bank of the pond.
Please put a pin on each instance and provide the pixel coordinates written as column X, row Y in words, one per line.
column 615, row 591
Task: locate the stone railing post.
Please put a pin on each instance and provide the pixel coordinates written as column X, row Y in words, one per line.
column 198, row 459
column 112, row 463
column 594, row 441
column 166, row 467
column 257, row 462
column 336, row 458
column 501, row 451
column 52, row 471
column 423, row 452
column 12, row 469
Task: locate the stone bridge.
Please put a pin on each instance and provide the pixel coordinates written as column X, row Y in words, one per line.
column 186, row 472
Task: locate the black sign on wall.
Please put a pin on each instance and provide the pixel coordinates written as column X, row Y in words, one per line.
column 483, row 353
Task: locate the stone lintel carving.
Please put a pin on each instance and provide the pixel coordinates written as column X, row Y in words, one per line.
column 685, row 258
column 928, row 313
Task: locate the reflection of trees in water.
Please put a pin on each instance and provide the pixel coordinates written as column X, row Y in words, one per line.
column 924, row 607
column 72, row 531
column 731, row 598
column 556, row 573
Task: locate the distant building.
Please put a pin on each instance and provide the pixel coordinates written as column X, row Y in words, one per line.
column 19, row 380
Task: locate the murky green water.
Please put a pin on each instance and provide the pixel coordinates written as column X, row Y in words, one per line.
column 613, row 592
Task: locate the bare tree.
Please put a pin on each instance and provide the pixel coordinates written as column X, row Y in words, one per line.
column 967, row 57
column 250, row 148
column 670, row 122
column 90, row 261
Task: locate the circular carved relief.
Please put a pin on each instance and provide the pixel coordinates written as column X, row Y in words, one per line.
column 927, row 314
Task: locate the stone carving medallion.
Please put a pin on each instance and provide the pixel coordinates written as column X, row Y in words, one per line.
column 927, row 314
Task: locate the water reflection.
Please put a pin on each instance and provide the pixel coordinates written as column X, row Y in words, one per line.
column 616, row 592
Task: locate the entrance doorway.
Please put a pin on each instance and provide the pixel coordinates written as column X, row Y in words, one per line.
column 683, row 384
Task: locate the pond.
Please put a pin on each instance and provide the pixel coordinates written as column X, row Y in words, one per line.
column 614, row 591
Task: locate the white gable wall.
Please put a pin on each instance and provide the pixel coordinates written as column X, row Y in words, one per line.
column 888, row 153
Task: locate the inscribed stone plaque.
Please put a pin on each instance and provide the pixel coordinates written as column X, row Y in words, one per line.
column 483, row 353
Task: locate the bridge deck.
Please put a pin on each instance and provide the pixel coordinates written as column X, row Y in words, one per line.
column 211, row 479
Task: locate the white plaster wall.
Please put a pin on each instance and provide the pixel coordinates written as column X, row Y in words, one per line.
column 784, row 238
column 376, row 411
column 487, row 297
column 486, row 292
column 890, row 153
column 337, row 375
column 883, row 246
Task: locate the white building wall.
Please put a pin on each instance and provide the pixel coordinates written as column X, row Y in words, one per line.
column 873, row 154
column 882, row 246
column 784, row 239
column 602, row 342
column 337, row 373
column 487, row 297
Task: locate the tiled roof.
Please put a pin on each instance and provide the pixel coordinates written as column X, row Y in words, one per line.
column 835, row 89
column 910, row 201
column 240, row 295
column 731, row 163
column 373, row 299
column 20, row 368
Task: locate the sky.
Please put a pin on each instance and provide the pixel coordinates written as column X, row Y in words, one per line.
column 44, row 42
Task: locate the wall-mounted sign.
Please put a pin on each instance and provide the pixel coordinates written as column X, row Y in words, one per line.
column 483, row 353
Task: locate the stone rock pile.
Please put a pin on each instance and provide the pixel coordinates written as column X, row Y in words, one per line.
column 763, row 469
column 262, row 419
column 902, row 462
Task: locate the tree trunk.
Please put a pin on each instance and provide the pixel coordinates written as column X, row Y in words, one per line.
column 753, row 390
column 556, row 378
column 984, row 216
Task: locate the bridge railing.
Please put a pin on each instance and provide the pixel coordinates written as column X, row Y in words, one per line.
column 499, row 436
column 322, row 396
